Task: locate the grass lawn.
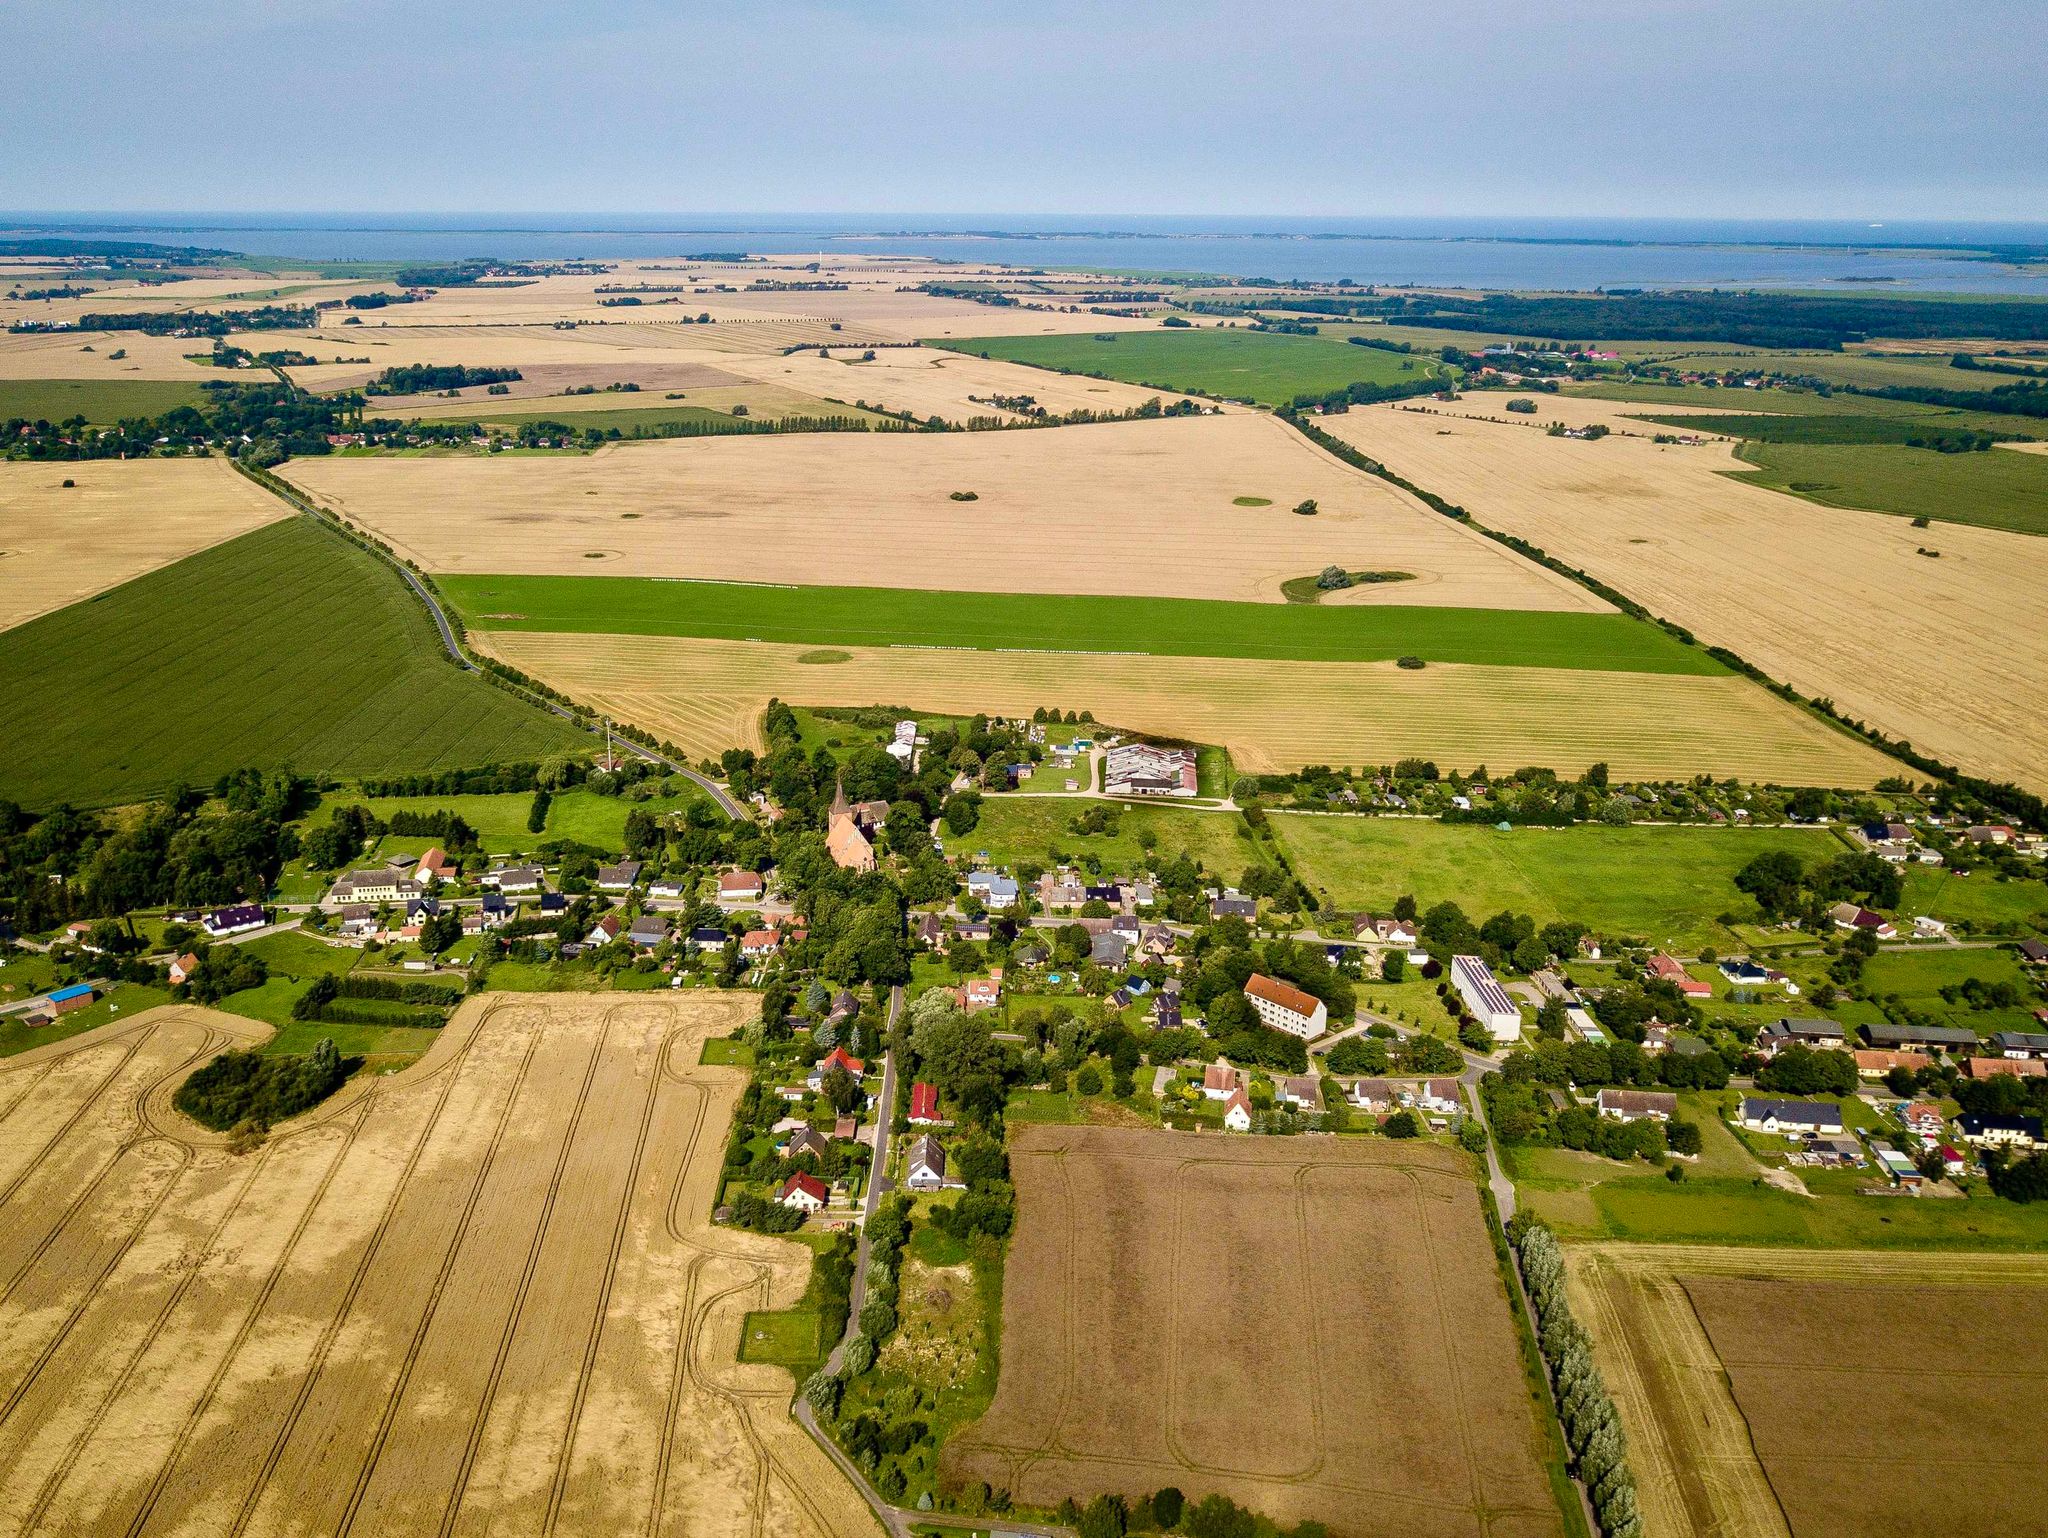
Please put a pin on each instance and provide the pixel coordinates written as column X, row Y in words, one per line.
column 1267, row 367
column 124, row 1002
column 1665, row 884
column 1976, row 903
column 786, row 1337
column 1016, row 829
column 301, row 956
column 1174, row 627
column 1074, row 1109
column 1918, row 976
column 285, row 646
column 386, row 1046
column 101, row 402
column 1995, row 489
column 500, row 820
column 726, row 1052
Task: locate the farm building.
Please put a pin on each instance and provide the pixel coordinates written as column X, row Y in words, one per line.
column 1823, row 1034
column 1920, row 1038
column 64, row 1000
column 1284, row 1007
column 1140, row 769
column 1669, row 969
column 1790, row 1118
column 1637, row 1104
column 233, row 921
column 2005, row 1067
column 1872, row 1064
column 434, row 865
column 1850, row 916
column 2020, row 1044
column 1484, row 996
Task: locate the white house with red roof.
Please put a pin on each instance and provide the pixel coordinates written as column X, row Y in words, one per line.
column 1237, row 1112
column 1220, row 1081
column 839, row 1058
column 924, row 1105
column 740, row 886
column 1284, row 1007
column 806, row 1193
column 1669, row 969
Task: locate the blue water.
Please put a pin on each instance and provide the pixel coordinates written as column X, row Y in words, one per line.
column 1502, row 253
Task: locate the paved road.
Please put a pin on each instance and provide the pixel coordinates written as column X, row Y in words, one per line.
column 878, row 1183
column 426, row 595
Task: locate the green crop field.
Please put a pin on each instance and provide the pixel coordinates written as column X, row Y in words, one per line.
column 1977, row 902
column 1039, row 830
column 1994, row 489
column 287, row 646
column 1270, row 368
column 1179, row 627
column 1667, row 885
column 1764, row 427
column 500, row 820
column 101, row 402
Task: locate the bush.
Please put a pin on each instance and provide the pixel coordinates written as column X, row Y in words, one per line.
column 1413, row 664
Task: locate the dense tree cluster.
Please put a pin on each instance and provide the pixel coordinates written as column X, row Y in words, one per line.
column 241, row 1088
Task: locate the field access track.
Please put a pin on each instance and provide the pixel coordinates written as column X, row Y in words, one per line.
column 478, row 1295
column 1315, row 1328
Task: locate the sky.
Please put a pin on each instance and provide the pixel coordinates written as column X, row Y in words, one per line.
column 1459, row 108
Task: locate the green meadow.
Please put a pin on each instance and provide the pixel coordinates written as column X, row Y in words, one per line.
column 1995, row 489
column 1182, row 627
column 1270, row 368
column 101, row 402
column 287, row 646
column 1667, row 885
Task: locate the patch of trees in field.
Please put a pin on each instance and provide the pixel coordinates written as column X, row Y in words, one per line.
column 245, row 1090
column 418, row 378
column 269, row 317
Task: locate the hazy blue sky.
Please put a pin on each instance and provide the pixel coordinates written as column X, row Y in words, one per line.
column 1783, row 108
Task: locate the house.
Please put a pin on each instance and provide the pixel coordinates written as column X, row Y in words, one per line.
column 622, row 877
column 1790, row 1118
column 1384, row 931
column 1233, row 907
column 1485, row 998
column 1882, row 834
column 183, row 967
column 514, row 878
column 1166, row 1014
column 924, row 1165
column 2020, row 1043
column 805, row 1140
column 373, row 886
column 981, row 993
column 1954, row 1162
column 1104, row 892
column 974, row 931
column 1439, row 1097
column 1920, row 1038
column 705, row 938
column 668, row 888
column 2007, row 1067
column 1875, row 1065
column 63, row 1001
column 1141, row 769
column 1993, row 834
column 740, row 885
column 553, row 903
column 1284, row 1007
column 239, row 920
column 494, row 908
column 848, row 846
column 1741, row 972
column 1986, row 1130
column 1156, row 940
column 434, row 866
column 992, row 887
column 1220, row 1081
column 839, row 1058
column 1107, row 950
column 358, row 922
column 1668, row 969
column 806, row 1193
column 757, row 943
column 1926, row 928
column 2033, row 953
column 648, row 931
column 1822, row 1034
column 1374, row 1095
column 1302, row 1091
column 929, row 930
column 845, row 1005
column 924, row 1104
column 1850, row 916
column 605, row 930
column 1922, row 1118
column 1637, row 1104
column 1237, row 1112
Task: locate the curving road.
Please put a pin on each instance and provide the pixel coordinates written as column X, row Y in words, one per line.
column 279, row 488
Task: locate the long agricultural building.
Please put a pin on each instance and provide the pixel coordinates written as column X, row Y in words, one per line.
column 1485, row 997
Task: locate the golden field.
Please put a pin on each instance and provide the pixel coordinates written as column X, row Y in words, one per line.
column 1129, row 507
column 1750, row 1413
column 481, row 1294
column 706, row 695
column 1837, row 603
column 123, row 517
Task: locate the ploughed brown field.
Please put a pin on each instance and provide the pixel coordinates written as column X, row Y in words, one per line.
column 1314, row 1328
column 478, row 1295
column 1770, row 1393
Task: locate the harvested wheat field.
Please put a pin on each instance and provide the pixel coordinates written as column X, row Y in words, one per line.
column 1144, row 507
column 1316, row 1328
column 1945, row 652
column 1769, row 1393
column 77, row 355
column 123, row 517
column 478, row 1295
column 707, row 695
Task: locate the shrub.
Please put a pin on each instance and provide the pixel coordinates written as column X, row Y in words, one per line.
column 242, row 1088
column 1413, row 664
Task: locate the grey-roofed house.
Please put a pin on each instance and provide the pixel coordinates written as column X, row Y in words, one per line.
column 1107, row 950
column 622, row 877
column 1233, row 907
column 1790, row 1117
column 1807, row 1033
column 2020, row 1044
column 648, row 930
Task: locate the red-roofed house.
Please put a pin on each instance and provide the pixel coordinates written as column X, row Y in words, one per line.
column 1284, row 1007
column 756, row 943
column 1237, row 1112
column 1220, row 1081
column 924, row 1105
column 434, row 862
column 183, row 968
column 840, row 1058
column 740, row 886
column 981, row 993
column 807, row 1193
column 1669, row 970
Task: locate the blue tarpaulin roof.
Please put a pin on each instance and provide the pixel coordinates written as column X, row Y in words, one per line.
column 76, row 990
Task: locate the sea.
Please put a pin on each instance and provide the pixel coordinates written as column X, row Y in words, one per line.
column 1508, row 253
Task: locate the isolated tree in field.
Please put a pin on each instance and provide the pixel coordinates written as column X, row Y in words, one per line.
column 1306, row 507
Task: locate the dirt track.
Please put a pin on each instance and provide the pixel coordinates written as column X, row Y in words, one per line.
column 1315, row 1328
column 480, row 1295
